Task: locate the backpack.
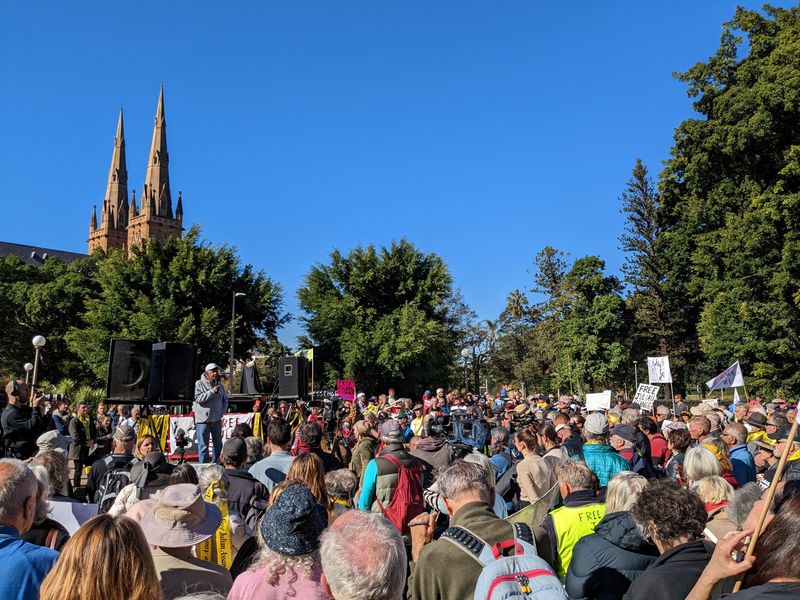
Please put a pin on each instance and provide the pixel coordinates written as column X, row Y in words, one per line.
column 407, row 501
column 111, row 484
column 523, row 575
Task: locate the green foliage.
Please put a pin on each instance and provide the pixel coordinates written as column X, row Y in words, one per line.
column 729, row 205
column 177, row 290
column 382, row 317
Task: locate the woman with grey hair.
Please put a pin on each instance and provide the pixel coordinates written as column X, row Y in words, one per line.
column 214, row 474
column 605, row 563
column 45, row 531
column 341, row 485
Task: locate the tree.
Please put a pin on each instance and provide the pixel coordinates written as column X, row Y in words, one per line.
column 383, row 317
column 177, row 290
column 643, row 268
column 729, row 204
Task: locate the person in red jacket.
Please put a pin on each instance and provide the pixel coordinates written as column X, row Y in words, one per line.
column 659, row 450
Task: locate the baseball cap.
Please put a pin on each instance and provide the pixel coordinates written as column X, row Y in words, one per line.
column 362, row 427
column 596, row 424
column 626, row 432
column 235, row 449
column 391, row 429
column 211, row 367
column 124, row 434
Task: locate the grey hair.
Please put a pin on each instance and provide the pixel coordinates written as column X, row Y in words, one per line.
column 42, row 493
column 623, row 491
column 17, row 485
column 714, row 417
column 341, row 484
column 629, row 415
column 742, row 503
column 500, row 434
column 375, row 568
column 699, row 463
column 714, row 489
column 209, row 475
column 201, row 596
column 255, row 449
column 737, row 432
column 461, row 477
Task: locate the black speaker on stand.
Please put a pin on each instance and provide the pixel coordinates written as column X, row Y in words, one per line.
column 128, row 370
column 292, row 378
column 172, row 373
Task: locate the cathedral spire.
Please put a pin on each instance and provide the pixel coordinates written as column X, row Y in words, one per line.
column 117, row 186
column 93, row 222
column 179, row 207
column 156, row 185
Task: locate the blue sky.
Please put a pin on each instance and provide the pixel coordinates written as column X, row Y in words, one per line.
column 481, row 131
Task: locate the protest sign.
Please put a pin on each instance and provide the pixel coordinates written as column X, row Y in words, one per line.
column 658, row 369
column 229, row 422
column 598, row 401
column 646, row 395
column 346, row 389
column 71, row 515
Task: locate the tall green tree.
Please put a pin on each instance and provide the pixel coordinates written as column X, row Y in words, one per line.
column 177, row 290
column 729, row 204
column 384, row 317
column 643, row 270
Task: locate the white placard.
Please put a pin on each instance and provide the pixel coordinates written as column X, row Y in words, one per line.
column 598, row 401
column 646, row 395
column 658, row 369
column 71, row 515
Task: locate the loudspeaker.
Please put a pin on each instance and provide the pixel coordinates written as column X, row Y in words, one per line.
column 292, row 377
column 172, row 373
column 128, row 370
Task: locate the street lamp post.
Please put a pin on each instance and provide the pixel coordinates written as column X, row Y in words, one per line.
column 28, row 368
column 233, row 336
column 636, row 374
column 465, row 356
column 38, row 343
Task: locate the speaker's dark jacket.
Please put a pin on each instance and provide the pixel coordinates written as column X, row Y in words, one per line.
column 21, row 426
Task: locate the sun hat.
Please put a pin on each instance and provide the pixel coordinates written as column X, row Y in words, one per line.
column 701, row 408
column 153, row 471
column 757, row 419
column 596, row 424
column 52, row 440
column 362, row 427
column 293, row 524
column 180, row 518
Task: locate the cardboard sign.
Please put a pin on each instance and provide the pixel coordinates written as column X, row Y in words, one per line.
column 229, row 422
column 646, row 395
column 346, row 389
column 598, row 401
column 658, row 369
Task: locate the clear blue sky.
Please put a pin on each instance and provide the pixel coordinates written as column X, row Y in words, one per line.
column 481, row 131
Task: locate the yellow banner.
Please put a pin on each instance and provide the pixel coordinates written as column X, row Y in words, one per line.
column 219, row 547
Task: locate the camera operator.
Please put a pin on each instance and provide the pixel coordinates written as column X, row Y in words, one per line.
column 433, row 450
column 22, row 423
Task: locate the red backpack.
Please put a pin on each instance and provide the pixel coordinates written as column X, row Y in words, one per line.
column 407, row 501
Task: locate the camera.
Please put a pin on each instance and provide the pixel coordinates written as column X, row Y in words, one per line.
column 180, row 439
column 56, row 398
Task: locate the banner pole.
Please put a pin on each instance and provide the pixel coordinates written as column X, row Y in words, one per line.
column 672, row 397
column 744, row 387
column 768, row 500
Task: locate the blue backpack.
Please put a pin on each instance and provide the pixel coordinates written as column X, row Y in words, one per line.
column 522, row 576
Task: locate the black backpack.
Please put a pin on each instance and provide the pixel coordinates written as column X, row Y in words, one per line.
column 114, row 479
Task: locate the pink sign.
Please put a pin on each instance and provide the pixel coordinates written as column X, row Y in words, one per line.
column 346, row 389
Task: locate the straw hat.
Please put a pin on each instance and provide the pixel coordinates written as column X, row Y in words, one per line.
column 180, row 518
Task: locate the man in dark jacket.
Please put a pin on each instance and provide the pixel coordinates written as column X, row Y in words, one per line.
column 433, row 451
column 121, row 457
column 22, row 423
column 246, row 495
column 310, row 440
column 674, row 518
column 365, row 449
column 81, row 429
column 606, row 562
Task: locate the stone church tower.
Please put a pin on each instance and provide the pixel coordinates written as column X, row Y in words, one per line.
column 122, row 225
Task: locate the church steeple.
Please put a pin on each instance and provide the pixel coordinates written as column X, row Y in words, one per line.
column 93, row 222
column 156, row 185
column 117, row 186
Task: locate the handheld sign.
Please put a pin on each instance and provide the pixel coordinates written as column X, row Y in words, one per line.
column 598, row 401
column 646, row 395
column 346, row 389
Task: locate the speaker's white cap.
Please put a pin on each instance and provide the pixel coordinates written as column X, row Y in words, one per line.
column 211, row 367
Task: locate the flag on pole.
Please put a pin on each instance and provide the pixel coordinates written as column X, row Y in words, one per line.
column 309, row 354
column 658, row 369
column 736, row 398
column 730, row 378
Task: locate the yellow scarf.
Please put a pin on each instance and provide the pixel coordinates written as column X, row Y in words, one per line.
column 86, row 421
column 219, row 547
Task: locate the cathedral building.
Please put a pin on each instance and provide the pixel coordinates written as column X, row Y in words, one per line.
column 122, row 225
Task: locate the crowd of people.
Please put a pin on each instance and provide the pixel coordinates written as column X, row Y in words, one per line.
column 448, row 496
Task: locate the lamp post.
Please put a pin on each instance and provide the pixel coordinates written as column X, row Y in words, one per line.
column 465, row 355
column 233, row 335
column 38, row 343
column 636, row 375
column 28, row 368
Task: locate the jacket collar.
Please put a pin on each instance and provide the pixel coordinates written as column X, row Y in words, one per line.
column 580, row 498
column 689, row 552
column 471, row 512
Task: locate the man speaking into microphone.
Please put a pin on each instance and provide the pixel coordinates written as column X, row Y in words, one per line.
column 210, row 404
